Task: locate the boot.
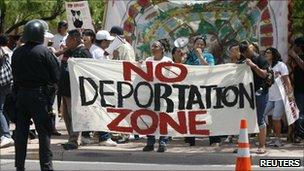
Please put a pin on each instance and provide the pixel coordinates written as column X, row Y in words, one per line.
column 54, row 130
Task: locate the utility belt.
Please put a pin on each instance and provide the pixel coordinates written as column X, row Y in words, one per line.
column 48, row 90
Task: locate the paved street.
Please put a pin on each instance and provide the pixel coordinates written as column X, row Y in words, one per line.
column 7, row 165
column 129, row 156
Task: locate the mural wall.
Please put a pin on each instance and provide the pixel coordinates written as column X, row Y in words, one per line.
column 221, row 22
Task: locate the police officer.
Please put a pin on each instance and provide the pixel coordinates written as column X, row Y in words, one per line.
column 34, row 69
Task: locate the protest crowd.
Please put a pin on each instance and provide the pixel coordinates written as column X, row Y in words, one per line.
column 39, row 72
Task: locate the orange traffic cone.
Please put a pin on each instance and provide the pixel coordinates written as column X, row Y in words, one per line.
column 243, row 161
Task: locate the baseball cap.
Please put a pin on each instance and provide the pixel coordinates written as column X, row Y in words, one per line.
column 104, row 35
column 116, row 30
column 181, row 42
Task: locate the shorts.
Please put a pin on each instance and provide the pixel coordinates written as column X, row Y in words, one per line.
column 261, row 101
column 276, row 108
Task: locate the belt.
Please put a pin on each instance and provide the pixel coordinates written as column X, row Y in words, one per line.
column 33, row 88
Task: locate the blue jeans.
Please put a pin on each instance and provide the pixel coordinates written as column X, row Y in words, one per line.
column 104, row 136
column 261, row 102
column 163, row 140
column 277, row 109
column 4, row 126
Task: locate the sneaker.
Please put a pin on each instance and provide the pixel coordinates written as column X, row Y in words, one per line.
column 148, row 148
column 108, row 142
column 134, row 137
column 215, row 144
column 6, row 142
column 228, row 139
column 278, row 143
column 297, row 140
column 235, row 151
column 56, row 133
column 70, row 146
column 86, row 141
column 123, row 140
column 161, row 149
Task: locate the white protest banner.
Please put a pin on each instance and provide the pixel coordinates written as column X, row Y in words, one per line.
column 291, row 109
column 161, row 98
column 78, row 15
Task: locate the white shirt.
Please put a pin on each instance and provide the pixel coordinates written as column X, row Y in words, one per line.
column 58, row 40
column 97, row 52
column 7, row 51
column 164, row 59
column 279, row 69
column 126, row 52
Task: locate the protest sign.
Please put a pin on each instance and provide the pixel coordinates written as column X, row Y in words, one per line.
column 78, row 15
column 291, row 109
column 117, row 42
column 161, row 98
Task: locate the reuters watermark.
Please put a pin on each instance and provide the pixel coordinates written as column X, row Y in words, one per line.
column 280, row 163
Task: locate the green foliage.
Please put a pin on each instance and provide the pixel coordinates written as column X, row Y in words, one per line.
column 17, row 12
column 298, row 18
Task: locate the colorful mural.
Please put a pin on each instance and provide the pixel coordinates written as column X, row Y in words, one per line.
column 221, row 22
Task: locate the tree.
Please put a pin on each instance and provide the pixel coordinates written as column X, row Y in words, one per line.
column 18, row 13
column 14, row 14
column 298, row 17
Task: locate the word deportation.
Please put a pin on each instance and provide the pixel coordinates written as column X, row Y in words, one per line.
column 156, row 94
column 163, row 94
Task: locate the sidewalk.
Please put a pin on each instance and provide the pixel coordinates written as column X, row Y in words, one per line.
column 178, row 152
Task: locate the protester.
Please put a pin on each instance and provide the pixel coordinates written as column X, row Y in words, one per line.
column 158, row 50
column 34, row 68
column 88, row 37
column 262, row 76
column 124, row 51
column 5, row 88
column 275, row 102
column 234, row 52
column 179, row 52
column 51, row 88
column 178, row 56
column 60, row 37
column 255, row 47
column 103, row 40
column 198, row 56
column 75, row 49
column 297, row 69
column 19, row 43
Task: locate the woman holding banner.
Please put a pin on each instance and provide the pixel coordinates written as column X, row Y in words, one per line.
column 158, row 50
column 198, row 56
column 275, row 101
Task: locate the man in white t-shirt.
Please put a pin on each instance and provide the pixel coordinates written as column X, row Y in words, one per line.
column 102, row 42
column 60, row 37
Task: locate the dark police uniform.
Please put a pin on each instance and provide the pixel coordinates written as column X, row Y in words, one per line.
column 34, row 68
